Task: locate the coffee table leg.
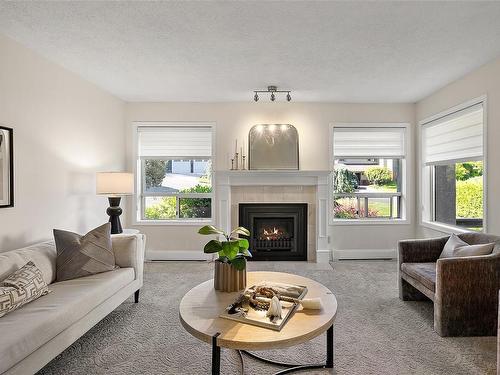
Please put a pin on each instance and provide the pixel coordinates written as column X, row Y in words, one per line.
column 329, row 347
column 215, row 355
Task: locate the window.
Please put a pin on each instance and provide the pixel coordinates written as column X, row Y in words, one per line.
column 368, row 172
column 453, row 168
column 174, row 176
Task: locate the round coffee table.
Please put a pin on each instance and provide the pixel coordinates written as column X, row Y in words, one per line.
column 201, row 307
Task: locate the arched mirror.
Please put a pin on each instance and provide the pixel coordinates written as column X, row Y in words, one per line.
column 273, row 147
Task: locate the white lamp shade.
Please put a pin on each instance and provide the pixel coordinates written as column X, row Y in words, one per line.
column 115, row 183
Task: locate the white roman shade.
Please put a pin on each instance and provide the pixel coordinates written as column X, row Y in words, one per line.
column 181, row 142
column 374, row 142
column 454, row 138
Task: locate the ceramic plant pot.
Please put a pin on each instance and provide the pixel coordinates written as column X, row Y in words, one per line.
column 229, row 279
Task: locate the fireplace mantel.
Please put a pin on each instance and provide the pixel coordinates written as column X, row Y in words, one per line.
column 226, row 179
column 272, row 178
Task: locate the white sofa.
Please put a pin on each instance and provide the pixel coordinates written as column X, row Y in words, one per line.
column 33, row 335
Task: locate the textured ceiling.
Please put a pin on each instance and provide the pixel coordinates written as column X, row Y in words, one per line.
column 221, row 51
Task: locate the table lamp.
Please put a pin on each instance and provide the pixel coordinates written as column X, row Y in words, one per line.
column 114, row 185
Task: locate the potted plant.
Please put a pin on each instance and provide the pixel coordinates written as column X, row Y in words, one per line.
column 230, row 267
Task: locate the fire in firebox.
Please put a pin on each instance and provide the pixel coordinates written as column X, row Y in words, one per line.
column 274, row 233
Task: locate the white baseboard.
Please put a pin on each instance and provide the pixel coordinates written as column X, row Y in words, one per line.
column 323, row 256
column 365, row 254
column 177, row 255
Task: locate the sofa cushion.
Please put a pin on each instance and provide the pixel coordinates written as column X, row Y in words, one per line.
column 79, row 256
column 456, row 247
column 21, row 287
column 26, row 329
column 425, row 273
column 42, row 254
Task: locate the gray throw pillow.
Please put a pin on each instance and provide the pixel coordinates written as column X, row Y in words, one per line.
column 456, row 247
column 79, row 256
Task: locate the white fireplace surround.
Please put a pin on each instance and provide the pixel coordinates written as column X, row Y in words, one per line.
column 228, row 179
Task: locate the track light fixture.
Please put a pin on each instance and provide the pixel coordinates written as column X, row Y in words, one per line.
column 273, row 90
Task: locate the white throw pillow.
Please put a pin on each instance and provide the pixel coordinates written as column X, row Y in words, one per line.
column 455, row 247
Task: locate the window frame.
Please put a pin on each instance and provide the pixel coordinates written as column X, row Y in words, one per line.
column 406, row 163
column 426, row 173
column 139, row 197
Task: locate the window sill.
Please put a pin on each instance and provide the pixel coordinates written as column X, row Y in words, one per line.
column 443, row 228
column 341, row 222
column 168, row 223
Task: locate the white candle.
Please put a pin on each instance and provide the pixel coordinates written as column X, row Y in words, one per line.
column 236, row 146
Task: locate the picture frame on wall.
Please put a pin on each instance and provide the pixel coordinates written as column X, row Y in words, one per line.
column 6, row 167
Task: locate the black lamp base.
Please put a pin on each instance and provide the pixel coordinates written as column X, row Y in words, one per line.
column 114, row 211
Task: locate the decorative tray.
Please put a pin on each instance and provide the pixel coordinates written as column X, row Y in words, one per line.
column 253, row 306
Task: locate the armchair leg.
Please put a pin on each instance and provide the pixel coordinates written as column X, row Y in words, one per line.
column 136, row 296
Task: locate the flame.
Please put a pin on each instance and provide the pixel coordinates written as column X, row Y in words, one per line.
column 272, row 233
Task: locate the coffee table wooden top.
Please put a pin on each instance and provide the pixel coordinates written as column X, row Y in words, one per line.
column 200, row 309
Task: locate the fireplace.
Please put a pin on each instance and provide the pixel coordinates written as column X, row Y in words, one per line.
column 278, row 231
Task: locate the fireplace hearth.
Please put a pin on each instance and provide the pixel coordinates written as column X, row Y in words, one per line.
column 278, row 231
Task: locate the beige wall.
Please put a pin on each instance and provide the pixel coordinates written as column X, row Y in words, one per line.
column 312, row 121
column 483, row 81
column 65, row 129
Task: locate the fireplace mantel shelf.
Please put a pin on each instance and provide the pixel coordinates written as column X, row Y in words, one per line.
column 277, row 177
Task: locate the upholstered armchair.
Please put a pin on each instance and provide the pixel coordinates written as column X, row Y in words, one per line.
column 464, row 290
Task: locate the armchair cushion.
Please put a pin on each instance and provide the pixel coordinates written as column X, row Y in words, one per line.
column 425, row 273
column 456, row 247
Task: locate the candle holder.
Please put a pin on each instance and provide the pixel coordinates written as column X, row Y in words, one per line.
column 236, row 159
column 232, row 164
column 243, row 166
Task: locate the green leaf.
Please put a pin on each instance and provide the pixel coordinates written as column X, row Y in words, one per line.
column 242, row 231
column 212, row 246
column 243, row 244
column 210, row 229
column 239, row 263
column 230, row 249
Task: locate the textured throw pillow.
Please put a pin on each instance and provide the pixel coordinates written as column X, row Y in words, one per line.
column 23, row 286
column 79, row 256
column 455, row 247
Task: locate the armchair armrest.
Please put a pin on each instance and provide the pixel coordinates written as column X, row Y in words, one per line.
column 421, row 251
column 129, row 252
column 466, row 302
column 475, row 275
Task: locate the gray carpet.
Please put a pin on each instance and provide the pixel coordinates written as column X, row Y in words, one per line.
column 375, row 332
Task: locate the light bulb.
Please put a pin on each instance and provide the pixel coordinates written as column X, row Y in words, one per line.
column 272, row 128
column 256, row 97
column 273, row 98
column 288, row 97
column 260, row 128
column 284, row 128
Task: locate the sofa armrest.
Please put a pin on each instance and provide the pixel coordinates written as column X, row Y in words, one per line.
column 129, row 252
column 420, row 251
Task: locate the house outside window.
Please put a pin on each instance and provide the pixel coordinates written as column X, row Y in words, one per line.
column 368, row 179
column 174, row 173
column 453, row 173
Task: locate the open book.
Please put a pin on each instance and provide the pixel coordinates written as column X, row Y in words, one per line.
column 252, row 305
